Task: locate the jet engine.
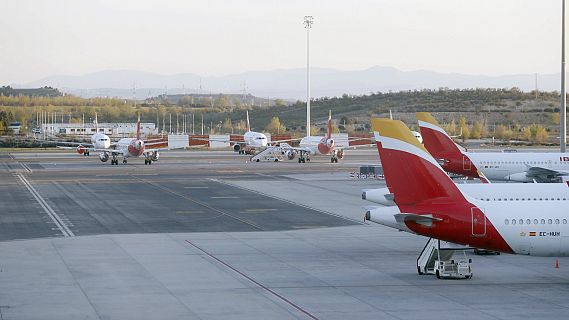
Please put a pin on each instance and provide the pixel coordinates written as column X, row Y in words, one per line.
column 519, row 177
column 330, row 143
column 290, row 154
column 80, row 149
column 104, row 156
column 155, row 156
column 237, row 147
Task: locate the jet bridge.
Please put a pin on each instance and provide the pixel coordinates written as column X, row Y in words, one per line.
column 437, row 258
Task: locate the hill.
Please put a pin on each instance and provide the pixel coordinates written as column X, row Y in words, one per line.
column 285, row 83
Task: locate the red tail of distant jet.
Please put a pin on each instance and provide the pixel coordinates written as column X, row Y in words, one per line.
column 441, row 146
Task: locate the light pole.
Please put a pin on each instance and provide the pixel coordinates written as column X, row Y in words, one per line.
column 563, row 108
column 308, row 21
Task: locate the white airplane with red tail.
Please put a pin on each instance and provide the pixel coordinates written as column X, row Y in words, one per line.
column 315, row 145
column 420, row 198
column 131, row 147
column 499, row 166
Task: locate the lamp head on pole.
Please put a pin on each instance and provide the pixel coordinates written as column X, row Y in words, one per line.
column 308, row 21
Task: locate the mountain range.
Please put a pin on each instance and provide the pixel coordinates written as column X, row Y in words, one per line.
column 283, row 83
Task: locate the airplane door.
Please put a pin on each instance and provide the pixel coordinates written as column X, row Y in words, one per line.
column 466, row 164
column 478, row 222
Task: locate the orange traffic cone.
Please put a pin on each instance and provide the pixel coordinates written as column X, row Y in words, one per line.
column 556, row 263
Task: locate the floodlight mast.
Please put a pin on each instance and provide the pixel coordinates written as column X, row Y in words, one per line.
column 308, row 21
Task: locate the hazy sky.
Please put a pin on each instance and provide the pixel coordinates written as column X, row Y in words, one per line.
column 216, row 37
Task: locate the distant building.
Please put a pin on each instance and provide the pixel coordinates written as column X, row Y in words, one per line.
column 112, row 129
column 15, row 127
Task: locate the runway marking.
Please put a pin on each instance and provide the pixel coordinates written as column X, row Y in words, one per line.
column 203, row 204
column 260, row 285
column 257, row 210
column 196, row 187
column 285, row 200
column 224, row 197
column 190, row 212
column 50, row 212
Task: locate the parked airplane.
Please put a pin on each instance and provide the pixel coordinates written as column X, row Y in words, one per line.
column 501, row 166
column 130, row 147
column 315, row 145
column 528, row 219
column 98, row 141
column 252, row 141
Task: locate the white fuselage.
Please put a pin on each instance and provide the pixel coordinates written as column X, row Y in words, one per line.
column 255, row 140
column 506, row 166
column 318, row 145
column 130, row 147
column 100, row 141
column 532, row 218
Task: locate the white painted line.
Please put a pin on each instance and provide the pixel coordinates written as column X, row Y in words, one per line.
column 258, row 210
column 228, row 197
column 52, row 214
column 196, row 187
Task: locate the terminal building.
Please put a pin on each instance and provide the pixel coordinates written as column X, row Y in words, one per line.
column 111, row 129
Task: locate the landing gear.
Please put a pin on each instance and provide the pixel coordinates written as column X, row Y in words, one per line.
column 124, row 160
column 147, row 161
column 114, row 160
column 334, row 159
column 86, row 153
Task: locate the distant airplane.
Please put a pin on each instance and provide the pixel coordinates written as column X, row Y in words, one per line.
column 499, row 166
column 98, row 141
column 130, row 147
column 252, row 141
column 315, row 145
column 420, row 198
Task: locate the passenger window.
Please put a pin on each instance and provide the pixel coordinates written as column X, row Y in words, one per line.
column 513, row 221
column 506, row 222
column 564, row 221
column 556, row 221
column 521, row 221
column 535, row 221
column 542, row 221
column 549, row 221
column 528, row 221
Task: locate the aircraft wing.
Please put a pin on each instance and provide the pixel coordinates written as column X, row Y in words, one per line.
column 72, row 143
column 540, row 174
column 162, row 149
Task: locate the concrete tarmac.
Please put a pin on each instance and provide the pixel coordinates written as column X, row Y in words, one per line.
column 209, row 235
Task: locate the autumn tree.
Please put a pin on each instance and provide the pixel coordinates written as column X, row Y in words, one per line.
column 275, row 126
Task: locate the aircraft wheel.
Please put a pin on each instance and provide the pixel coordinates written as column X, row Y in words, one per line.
column 419, row 271
column 123, row 160
column 299, row 160
column 149, row 161
column 438, row 274
column 145, row 161
column 258, row 160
